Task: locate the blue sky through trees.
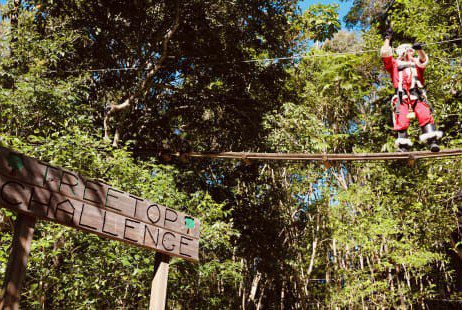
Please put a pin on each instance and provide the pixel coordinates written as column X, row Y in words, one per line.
column 344, row 6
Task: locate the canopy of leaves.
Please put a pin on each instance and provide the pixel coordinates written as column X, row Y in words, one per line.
column 194, row 74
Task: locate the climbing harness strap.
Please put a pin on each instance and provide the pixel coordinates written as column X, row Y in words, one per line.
column 421, row 94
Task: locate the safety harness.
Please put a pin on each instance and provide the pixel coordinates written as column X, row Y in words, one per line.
column 416, row 89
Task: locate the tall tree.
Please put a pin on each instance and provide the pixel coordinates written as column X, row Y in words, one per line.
column 185, row 66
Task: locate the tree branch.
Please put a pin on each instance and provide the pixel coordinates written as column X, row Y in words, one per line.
column 145, row 84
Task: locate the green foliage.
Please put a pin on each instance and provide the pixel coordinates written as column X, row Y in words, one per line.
column 292, row 235
column 318, row 23
column 51, row 113
column 71, row 269
column 199, row 95
column 32, row 90
column 208, row 284
column 388, row 229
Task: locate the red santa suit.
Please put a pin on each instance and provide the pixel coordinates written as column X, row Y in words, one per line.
column 408, row 80
column 408, row 77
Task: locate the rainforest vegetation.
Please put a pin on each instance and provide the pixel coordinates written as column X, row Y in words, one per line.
column 110, row 89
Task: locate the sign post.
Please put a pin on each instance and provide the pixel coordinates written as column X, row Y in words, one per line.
column 38, row 190
column 17, row 263
column 159, row 283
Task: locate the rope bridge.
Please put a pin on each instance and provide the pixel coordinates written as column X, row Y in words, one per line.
column 411, row 156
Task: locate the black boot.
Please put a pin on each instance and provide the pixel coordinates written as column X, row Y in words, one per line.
column 434, row 147
column 403, row 143
column 431, row 135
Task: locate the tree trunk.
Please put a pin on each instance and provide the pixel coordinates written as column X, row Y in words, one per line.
column 254, row 288
column 14, row 22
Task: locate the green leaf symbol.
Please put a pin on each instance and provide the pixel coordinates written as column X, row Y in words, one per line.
column 189, row 222
column 15, row 162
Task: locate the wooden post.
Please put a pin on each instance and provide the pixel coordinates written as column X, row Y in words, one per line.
column 159, row 283
column 17, row 262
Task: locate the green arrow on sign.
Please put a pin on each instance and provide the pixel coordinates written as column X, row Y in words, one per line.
column 15, row 162
column 189, row 222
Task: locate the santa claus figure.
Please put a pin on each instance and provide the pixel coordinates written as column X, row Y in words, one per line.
column 410, row 100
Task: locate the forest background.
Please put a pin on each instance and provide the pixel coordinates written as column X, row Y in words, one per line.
column 110, row 88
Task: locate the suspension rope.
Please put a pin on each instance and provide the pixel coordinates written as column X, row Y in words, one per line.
column 275, row 59
column 411, row 156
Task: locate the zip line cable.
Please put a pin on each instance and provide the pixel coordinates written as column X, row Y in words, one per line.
column 339, row 54
column 325, row 158
column 299, row 56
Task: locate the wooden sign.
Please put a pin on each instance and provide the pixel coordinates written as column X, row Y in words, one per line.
column 40, row 190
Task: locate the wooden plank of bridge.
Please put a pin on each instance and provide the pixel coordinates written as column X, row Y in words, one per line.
column 159, row 283
column 16, row 268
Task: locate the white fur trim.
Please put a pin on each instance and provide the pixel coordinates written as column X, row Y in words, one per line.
column 422, row 64
column 403, row 141
column 429, row 135
column 386, row 51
